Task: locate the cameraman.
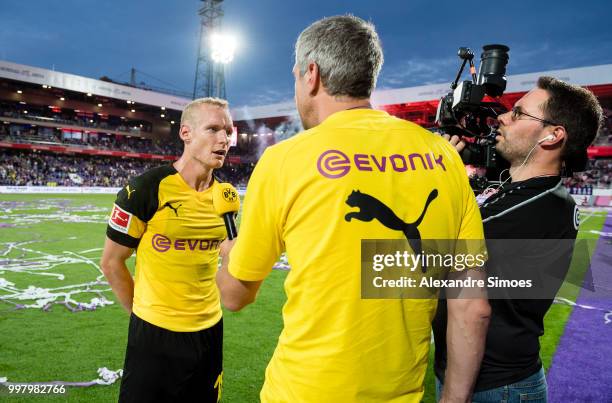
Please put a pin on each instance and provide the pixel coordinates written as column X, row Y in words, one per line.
column 548, row 128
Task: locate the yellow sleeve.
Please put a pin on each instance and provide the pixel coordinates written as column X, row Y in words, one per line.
column 471, row 222
column 259, row 242
column 471, row 232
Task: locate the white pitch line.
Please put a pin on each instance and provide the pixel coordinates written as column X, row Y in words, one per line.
column 565, row 301
column 604, row 234
column 586, row 218
column 85, row 260
column 90, row 250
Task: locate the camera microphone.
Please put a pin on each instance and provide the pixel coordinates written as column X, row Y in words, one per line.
column 226, row 203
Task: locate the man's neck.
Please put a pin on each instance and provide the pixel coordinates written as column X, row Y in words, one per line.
column 519, row 173
column 331, row 105
column 193, row 173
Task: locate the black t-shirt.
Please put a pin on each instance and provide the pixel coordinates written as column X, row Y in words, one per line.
column 512, row 344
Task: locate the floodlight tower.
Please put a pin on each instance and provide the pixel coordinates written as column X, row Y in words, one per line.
column 209, row 78
column 222, row 52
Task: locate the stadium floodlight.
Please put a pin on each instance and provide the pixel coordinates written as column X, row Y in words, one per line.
column 222, row 48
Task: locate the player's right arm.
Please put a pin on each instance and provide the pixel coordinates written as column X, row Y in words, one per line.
column 260, row 241
column 468, row 310
column 116, row 272
column 466, row 332
column 134, row 206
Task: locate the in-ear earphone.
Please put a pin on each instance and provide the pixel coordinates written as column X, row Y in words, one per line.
column 547, row 138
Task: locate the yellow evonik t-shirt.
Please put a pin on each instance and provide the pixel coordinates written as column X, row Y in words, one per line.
column 177, row 236
column 317, row 195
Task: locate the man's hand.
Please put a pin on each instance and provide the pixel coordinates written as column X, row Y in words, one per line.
column 455, row 142
column 224, row 250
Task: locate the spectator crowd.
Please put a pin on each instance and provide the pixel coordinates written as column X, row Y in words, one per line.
column 100, row 141
column 42, row 168
column 19, row 168
column 598, row 174
column 32, row 168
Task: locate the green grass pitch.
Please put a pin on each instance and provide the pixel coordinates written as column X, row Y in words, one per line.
column 65, row 234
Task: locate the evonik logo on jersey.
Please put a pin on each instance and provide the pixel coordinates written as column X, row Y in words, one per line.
column 334, row 164
column 162, row 243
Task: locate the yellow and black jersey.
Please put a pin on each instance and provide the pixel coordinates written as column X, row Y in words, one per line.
column 177, row 235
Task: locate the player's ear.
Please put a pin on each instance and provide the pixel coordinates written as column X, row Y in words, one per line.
column 560, row 134
column 313, row 78
column 185, row 133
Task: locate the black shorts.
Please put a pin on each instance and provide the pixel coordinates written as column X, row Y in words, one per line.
column 166, row 366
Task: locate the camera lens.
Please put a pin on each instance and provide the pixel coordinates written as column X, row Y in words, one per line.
column 492, row 72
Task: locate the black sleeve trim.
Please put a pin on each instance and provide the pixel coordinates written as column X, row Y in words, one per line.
column 143, row 199
column 122, row 239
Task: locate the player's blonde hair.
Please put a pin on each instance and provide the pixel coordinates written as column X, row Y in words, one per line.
column 190, row 115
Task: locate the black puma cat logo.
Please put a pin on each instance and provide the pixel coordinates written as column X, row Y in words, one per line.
column 370, row 208
column 175, row 209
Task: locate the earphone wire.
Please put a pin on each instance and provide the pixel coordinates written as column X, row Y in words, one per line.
column 510, row 176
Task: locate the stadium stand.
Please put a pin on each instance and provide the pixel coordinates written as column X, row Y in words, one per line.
column 33, row 168
column 598, row 174
column 66, row 130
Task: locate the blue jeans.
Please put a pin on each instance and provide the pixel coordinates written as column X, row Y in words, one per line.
column 532, row 389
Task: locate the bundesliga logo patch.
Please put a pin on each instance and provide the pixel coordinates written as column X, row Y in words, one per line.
column 120, row 219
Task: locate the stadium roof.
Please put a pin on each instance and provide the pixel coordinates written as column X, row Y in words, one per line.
column 584, row 76
column 72, row 82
